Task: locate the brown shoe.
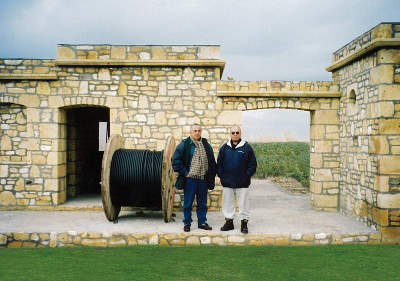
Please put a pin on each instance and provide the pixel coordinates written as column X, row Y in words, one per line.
column 186, row 228
column 205, row 226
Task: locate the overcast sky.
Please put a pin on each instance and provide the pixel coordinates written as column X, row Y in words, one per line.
column 260, row 39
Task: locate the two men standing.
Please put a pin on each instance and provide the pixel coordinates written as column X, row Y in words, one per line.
column 195, row 163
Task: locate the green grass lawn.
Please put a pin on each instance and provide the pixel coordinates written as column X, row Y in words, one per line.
column 283, row 159
column 333, row 262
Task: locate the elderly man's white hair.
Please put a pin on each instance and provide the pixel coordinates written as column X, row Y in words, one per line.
column 235, row 127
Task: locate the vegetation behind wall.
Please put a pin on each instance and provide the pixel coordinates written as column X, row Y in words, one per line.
column 283, row 159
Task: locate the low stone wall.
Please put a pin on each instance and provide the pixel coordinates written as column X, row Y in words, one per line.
column 73, row 238
column 127, row 52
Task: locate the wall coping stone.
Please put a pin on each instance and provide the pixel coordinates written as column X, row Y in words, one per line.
column 122, row 62
column 373, row 45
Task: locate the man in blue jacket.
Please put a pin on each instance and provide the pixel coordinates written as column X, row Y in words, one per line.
column 235, row 165
column 194, row 161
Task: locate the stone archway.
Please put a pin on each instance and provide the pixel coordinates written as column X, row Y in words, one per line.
column 322, row 101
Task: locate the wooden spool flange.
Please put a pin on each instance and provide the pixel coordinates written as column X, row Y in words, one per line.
column 167, row 179
column 113, row 144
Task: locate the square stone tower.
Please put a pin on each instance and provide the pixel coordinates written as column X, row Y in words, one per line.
column 368, row 72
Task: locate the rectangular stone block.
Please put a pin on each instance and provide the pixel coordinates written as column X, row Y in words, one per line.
column 323, row 175
column 323, row 146
column 380, row 109
column 209, row 52
column 29, row 100
column 324, row 117
column 381, row 183
column 389, row 164
column 380, row 216
column 65, row 53
column 388, row 56
column 316, row 160
column 56, row 101
column 382, row 74
column 386, row 200
column 325, row 201
column 378, row 145
column 315, row 186
column 390, row 234
column 317, row 131
column 389, row 92
column 389, row 126
column 118, row 52
column 114, row 102
column 48, row 130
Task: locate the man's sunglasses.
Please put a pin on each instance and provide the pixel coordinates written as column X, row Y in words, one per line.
column 235, row 133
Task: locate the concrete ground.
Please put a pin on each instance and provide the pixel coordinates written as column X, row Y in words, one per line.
column 274, row 210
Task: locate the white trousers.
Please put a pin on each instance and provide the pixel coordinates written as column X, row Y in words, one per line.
column 229, row 204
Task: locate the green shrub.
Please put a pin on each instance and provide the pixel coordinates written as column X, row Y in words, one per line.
column 283, row 159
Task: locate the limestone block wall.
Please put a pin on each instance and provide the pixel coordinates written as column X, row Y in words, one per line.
column 147, row 101
column 369, row 129
column 13, row 150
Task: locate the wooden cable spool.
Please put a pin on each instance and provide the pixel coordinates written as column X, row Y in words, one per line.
column 167, row 179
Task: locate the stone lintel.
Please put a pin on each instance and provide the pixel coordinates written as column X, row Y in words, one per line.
column 373, row 45
column 283, row 94
column 11, row 76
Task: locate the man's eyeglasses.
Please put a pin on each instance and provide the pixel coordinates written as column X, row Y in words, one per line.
column 235, row 133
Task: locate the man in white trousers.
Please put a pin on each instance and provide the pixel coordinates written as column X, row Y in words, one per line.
column 235, row 165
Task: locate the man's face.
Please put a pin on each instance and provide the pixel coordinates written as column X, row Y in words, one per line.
column 236, row 134
column 195, row 132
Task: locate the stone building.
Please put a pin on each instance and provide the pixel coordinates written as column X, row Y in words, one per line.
column 50, row 110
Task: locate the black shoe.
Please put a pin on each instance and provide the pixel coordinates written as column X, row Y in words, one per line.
column 205, row 226
column 228, row 225
column 186, row 228
column 243, row 227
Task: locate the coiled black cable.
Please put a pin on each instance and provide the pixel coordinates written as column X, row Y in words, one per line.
column 135, row 178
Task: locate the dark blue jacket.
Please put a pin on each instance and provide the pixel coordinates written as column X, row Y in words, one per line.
column 182, row 159
column 235, row 166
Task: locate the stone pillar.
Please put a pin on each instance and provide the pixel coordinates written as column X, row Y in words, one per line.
column 324, row 162
column 385, row 144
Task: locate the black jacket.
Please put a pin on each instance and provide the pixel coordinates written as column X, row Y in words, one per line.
column 235, row 166
column 182, row 159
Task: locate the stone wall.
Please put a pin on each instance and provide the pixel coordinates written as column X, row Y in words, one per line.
column 146, row 103
column 13, row 151
column 369, row 132
column 73, row 238
column 153, row 92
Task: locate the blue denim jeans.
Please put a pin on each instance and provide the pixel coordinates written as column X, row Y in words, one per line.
column 198, row 188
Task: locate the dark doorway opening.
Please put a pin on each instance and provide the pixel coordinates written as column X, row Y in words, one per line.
column 84, row 149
